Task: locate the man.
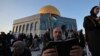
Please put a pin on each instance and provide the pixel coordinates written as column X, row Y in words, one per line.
column 57, row 35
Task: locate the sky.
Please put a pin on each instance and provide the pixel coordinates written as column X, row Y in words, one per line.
column 11, row 10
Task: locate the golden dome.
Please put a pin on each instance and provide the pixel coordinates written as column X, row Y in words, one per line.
column 49, row 9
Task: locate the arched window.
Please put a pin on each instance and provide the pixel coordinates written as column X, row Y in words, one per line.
column 35, row 26
column 23, row 28
column 20, row 28
column 31, row 26
column 27, row 27
column 16, row 28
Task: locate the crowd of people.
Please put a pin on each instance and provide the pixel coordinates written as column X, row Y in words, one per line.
column 10, row 45
column 24, row 44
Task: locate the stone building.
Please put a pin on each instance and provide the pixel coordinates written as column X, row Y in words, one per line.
column 48, row 17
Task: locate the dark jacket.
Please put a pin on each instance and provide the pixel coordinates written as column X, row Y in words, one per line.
column 26, row 52
column 4, row 48
column 92, row 31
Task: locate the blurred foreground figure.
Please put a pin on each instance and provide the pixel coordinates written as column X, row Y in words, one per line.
column 4, row 46
column 19, row 49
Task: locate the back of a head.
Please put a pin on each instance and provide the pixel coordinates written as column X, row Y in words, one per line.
column 19, row 44
column 63, row 27
column 19, row 48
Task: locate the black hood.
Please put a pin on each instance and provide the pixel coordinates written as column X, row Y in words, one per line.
column 92, row 11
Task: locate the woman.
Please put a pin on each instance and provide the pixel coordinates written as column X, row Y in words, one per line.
column 92, row 31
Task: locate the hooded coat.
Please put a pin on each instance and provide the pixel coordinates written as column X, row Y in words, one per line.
column 92, row 32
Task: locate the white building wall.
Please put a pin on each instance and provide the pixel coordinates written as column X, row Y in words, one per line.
column 38, row 18
column 25, row 21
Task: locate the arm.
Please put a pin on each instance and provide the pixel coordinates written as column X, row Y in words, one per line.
column 76, row 51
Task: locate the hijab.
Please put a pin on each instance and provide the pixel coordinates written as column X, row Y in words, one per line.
column 92, row 11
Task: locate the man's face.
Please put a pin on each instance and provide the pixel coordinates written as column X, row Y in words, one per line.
column 57, row 34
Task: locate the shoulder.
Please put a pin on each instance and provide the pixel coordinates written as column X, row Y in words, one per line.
column 87, row 16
